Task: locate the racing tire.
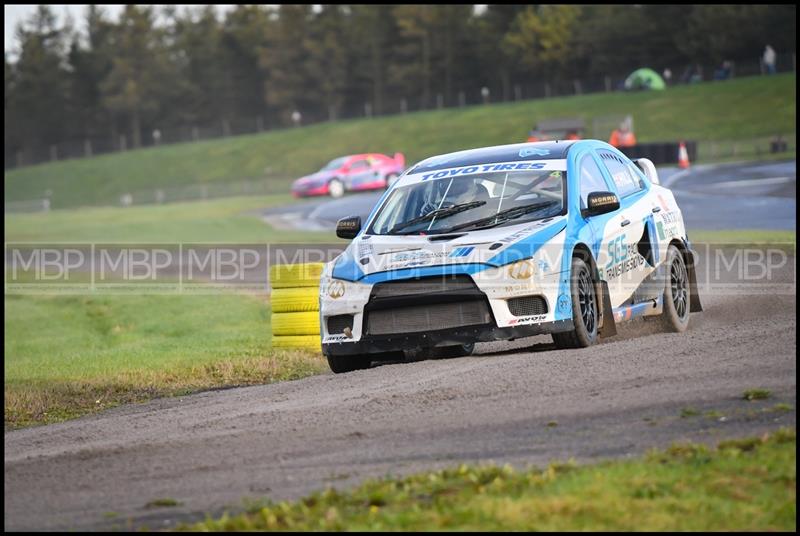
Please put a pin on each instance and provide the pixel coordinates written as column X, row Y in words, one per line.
column 347, row 363
column 295, row 323
column 294, row 300
column 584, row 309
column 295, row 275
column 335, row 188
column 307, row 342
column 675, row 314
column 390, row 179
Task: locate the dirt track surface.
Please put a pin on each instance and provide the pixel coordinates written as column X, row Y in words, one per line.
column 211, row 450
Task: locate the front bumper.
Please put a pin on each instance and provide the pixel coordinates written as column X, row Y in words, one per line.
column 376, row 344
column 304, row 191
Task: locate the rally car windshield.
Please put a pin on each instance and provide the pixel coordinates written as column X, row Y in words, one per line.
column 334, row 164
column 472, row 202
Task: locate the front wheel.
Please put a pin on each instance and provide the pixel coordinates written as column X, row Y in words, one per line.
column 584, row 309
column 675, row 316
column 335, row 188
column 347, row 363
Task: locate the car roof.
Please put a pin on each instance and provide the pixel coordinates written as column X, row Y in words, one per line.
column 542, row 150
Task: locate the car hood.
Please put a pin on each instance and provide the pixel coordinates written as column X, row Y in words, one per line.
column 416, row 255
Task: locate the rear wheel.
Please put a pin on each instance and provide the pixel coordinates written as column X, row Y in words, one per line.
column 347, row 363
column 335, row 188
column 584, row 309
column 675, row 316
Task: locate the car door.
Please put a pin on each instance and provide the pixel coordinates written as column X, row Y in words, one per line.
column 360, row 173
column 627, row 253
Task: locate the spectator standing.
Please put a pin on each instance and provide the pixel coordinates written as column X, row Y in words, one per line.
column 623, row 136
column 769, row 58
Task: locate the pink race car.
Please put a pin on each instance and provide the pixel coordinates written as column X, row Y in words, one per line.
column 370, row 171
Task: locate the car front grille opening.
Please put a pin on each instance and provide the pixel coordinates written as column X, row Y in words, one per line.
column 424, row 286
column 527, row 306
column 336, row 324
column 419, row 318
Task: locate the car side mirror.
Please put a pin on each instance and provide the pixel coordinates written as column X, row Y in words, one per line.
column 348, row 227
column 601, row 203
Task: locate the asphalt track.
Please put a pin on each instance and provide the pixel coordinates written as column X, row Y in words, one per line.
column 522, row 402
column 759, row 195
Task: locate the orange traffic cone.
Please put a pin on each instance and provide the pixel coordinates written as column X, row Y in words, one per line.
column 683, row 156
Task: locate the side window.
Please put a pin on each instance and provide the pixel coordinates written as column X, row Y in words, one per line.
column 591, row 179
column 359, row 165
column 626, row 183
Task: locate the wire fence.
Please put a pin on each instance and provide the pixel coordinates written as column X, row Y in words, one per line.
column 784, row 145
column 225, row 127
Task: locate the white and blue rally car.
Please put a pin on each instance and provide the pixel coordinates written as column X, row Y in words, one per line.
column 498, row 243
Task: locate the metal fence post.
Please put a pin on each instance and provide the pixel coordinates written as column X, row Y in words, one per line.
column 368, row 109
column 259, row 123
column 123, row 142
column 517, row 92
column 87, row 147
column 53, row 153
column 546, row 90
column 439, row 101
column 607, row 81
column 462, row 99
column 577, row 84
column 403, row 106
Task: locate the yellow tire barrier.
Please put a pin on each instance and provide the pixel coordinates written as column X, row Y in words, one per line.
column 295, row 275
column 295, row 323
column 292, row 300
column 310, row 342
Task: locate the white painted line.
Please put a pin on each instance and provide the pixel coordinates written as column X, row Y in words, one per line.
column 755, row 182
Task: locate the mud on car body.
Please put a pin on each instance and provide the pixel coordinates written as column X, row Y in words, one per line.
column 565, row 238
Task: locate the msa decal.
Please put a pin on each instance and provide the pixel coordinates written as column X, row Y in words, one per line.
column 336, row 290
column 336, row 338
column 483, row 168
column 622, row 258
column 461, row 252
column 521, row 270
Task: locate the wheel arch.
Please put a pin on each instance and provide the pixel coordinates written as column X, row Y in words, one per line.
column 605, row 325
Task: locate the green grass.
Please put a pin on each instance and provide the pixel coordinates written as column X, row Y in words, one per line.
column 742, row 109
column 756, row 394
column 70, row 355
column 229, row 220
column 742, row 485
column 163, row 503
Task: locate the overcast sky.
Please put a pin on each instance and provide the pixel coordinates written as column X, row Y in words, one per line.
column 17, row 13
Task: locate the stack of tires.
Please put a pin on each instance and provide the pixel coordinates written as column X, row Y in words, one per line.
column 295, row 305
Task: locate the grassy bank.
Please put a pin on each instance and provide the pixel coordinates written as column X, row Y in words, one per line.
column 741, row 109
column 742, row 485
column 70, row 355
column 229, row 220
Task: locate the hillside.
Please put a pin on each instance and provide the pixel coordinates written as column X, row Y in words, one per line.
column 741, row 109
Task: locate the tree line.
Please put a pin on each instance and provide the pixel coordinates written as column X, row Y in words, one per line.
column 161, row 67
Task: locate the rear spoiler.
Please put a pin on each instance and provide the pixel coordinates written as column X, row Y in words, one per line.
column 648, row 168
column 400, row 159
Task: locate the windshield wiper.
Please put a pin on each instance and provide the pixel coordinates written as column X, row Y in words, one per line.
column 438, row 213
column 502, row 216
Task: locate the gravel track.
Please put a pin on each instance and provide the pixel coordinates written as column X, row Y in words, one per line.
column 211, row 450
